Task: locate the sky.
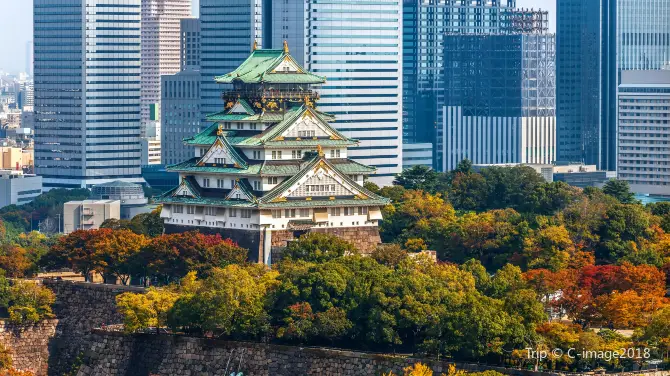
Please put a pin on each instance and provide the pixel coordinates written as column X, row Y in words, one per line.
column 16, row 25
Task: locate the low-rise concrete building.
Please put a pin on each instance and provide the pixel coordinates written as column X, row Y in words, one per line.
column 17, row 188
column 89, row 214
column 577, row 175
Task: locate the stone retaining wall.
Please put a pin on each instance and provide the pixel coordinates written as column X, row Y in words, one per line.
column 28, row 345
column 116, row 354
column 80, row 307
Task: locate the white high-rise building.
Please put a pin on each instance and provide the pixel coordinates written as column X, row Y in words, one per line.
column 161, row 41
column 644, row 131
column 87, row 91
column 358, row 46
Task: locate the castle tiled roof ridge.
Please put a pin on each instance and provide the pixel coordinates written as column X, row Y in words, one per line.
column 259, row 67
column 316, row 160
column 271, row 167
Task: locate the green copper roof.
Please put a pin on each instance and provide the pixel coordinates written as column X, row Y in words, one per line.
column 239, row 160
column 259, row 66
column 271, row 168
column 291, row 116
column 268, row 117
column 286, row 184
column 268, row 137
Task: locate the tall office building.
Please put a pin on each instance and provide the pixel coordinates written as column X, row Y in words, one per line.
column 586, row 82
column 180, row 97
column 643, row 34
column 87, row 91
column 161, row 40
column 189, row 43
column 358, row 46
column 644, row 130
column 424, row 25
column 228, row 30
column 499, row 95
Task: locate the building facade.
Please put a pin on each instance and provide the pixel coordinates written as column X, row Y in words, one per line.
column 181, row 114
column 87, row 91
column 227, row 30
column 358, row 45
column 89, row 214
column 161, row 51
column 271, row 167
column 189, row 44
column 417, row 154
column 499, row 95
column 643, row 34
column 586, row 82
column 17, row 188
column 644, row 131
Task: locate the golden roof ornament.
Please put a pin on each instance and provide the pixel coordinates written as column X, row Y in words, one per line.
column 319, row 150
column 255, row 46
column 308, row 102
column 285, row 47
column 219, row 132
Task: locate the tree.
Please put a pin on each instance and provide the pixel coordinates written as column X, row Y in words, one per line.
column 317, row 247
column 77, row 250
column 29, row 302
column 142, row 311
column 658, row 330
column 117, row 253
column 389, row 254
column 419, row 177
column 230, row 301
column 5, row 358
column 620, row 190
column 14, row 261
column 468, row 191
column 116, row 224
column 549, row 247
column 148, row 224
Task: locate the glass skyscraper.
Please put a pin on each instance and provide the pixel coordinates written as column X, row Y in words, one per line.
column 357, row 45
column 643, row 34
column 499, row 99
column 228, row 30
column 425, row 22
column 87, row 91
column 586, row 82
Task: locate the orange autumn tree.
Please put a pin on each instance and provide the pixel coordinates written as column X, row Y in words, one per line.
column 116, row 253
column 77, row 251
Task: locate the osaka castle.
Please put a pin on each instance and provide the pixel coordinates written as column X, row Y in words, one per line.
column 270, row 167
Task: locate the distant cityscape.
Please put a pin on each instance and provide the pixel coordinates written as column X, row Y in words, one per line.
column 111, row 88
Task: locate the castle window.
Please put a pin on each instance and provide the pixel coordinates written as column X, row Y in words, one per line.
column 205, row 182
column 210, row 210
column 290, row 213
column 190, row 210
column 306, row 133
column 304, row 213
column 363, row 210
column 178, row 209
column 221, row 161
column 233, row 213
column 321, row 188
column 296, row 154
column 257, row 154
column 257, row 186
column 272, row 180
column 220, row 183
column 349, row 211
column 276, row 154
column 240, row 125
column 245, row 213
column 335, row 212
column 276, row 214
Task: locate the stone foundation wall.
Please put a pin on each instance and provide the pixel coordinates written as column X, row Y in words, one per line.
column 365, row 239
column 28, row 345
column 80, row 307
column 249, row 239
column 115, row 354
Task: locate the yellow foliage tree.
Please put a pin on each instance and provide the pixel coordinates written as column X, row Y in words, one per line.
column 141, row 311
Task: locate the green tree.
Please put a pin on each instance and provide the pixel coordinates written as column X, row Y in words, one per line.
column 620, row 190
column 390, row 255
column 142, row 311
column 549, row 247
column 317, row 247
column 419, row 177
column 29, row 302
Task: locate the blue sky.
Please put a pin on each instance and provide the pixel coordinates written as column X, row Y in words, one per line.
column 16, row 24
